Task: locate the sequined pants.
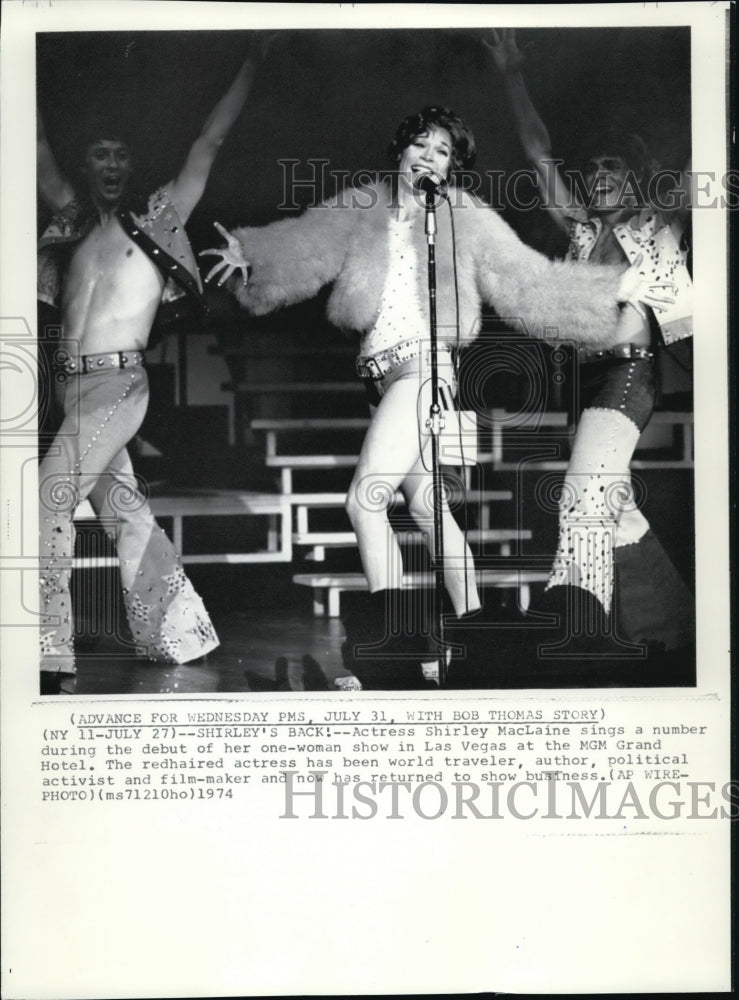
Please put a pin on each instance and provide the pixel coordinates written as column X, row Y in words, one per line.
column 605, row 543
column 88, row 459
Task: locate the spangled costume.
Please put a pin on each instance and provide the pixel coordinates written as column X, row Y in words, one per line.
column 355, row 243
column 605, row 543
column 104, row 399
column 348, row 242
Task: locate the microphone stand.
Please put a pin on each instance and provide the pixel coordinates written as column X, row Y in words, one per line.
column 435, row 424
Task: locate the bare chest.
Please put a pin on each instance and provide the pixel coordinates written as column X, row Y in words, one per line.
column 108, row 260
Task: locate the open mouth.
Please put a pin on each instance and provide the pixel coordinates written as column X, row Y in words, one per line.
column 419, row 171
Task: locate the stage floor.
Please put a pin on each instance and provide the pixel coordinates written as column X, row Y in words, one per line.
column 268, row 651
column 251, row 645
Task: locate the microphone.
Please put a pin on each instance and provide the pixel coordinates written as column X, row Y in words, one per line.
column 430, row 182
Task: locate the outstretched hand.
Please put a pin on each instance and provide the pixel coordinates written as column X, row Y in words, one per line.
column 638, row 291
column 506, row 53
column 232, row 258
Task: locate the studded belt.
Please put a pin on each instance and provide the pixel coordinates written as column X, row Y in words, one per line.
column 86, row 364
column 377, row 366
column 628, row 351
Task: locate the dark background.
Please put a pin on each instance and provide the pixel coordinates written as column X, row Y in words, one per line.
column 339, row 96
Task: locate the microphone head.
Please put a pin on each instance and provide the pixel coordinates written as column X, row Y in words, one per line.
column 429, row 182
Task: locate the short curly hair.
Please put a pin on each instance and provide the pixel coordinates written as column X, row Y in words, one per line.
column 616, row 141
column 463, row 141
column 101, row 126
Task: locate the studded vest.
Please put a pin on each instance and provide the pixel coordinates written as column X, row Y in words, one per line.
column 153, row 224
column 664, row 261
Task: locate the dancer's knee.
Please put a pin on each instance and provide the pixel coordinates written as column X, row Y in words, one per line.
column 367, row 502
column 421, row 504
column 125, row 504
column 59, row 496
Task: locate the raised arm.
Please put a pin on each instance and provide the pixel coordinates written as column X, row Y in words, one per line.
column 187, row 189
column 532, row 131
column 53, row 187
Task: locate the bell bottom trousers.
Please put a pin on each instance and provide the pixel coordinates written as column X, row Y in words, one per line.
column 88, row 460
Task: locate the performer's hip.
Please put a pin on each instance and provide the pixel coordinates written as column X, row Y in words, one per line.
column 410, row 358
column 65, row 364
column 622, row 379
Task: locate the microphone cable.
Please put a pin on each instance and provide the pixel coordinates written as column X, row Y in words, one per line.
column 454, row 398
column 457, row 352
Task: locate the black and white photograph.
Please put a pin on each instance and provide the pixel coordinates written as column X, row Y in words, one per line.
column 365, row 498
column 236, row 265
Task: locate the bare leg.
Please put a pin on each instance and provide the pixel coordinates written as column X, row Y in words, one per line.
column 391, row 459
column 389, row 452
column 459, row 566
